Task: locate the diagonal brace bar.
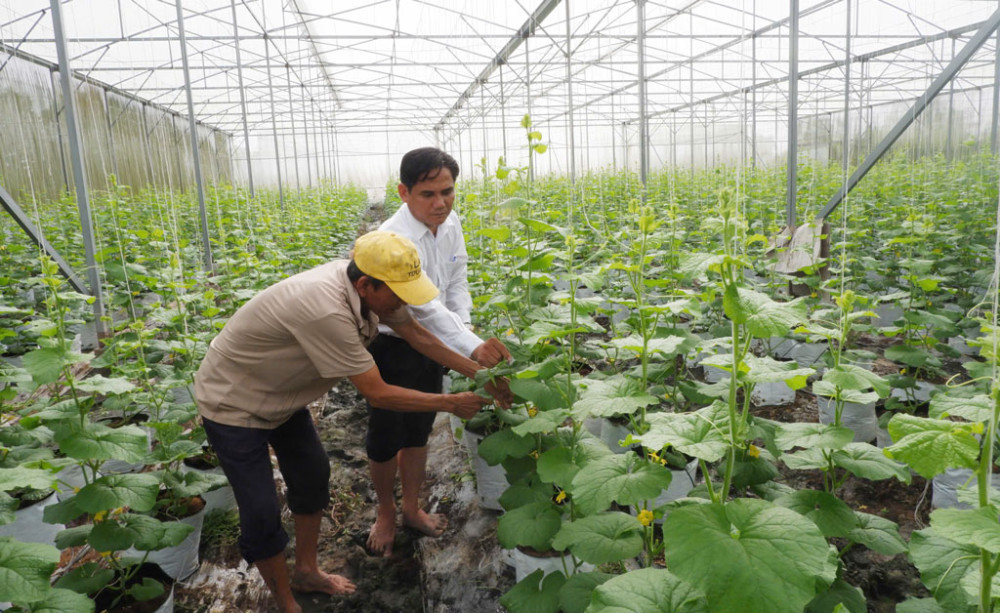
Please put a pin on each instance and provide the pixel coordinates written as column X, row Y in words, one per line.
column 956, row 64
column 15, row 210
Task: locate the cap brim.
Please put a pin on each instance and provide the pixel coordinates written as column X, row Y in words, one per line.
column 416, row 292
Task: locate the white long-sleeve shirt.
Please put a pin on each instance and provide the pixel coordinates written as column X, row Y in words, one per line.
column 445, row 260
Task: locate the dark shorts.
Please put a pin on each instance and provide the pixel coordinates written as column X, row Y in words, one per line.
column 399, row 364
column 304, row 465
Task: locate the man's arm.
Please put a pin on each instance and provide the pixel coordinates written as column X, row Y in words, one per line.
column 381, row 394
column 421, row 339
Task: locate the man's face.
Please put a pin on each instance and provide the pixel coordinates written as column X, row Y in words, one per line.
column 430, row 200
column 381, row 301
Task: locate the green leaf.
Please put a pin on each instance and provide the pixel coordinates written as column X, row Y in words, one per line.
column 907, row 354
column 840, row 593
column 602, row 538
column 978, row 408
column 762, row 316
column 943, row 563
column 830, row 514
column 22, row 477
column 94, row 441
column 542, row 423
column 532, row 525
column 503, row 444
column 574, row 597
column 558, row 465
column 62, row 601
column 868, row 462
column 878, row 534
column 500, row 234
column 147, row 590
column 87, row 578
column 109, row 535
column 701, row 434
column 647, row 590
column 98, row 384
column 533, row 594
column 622, row 478
column 974, row 527
column 769, row 370
column 930, row 446
column 616, row 395
column 136, row 491
column 922, row 605
column 73, row 537
column 545, row 394
column 749, row 555
column 669, row 346
column 850, row 377
column 45, row 365
column 25, row 570
column 812, row 436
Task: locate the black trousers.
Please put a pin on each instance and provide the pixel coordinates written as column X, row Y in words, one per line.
column 399, row 364
column 304, row 465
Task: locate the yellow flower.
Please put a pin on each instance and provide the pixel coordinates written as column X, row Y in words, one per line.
column 532, row 411
column 100, row 515
column 812, row 294
column 654, row 457
column 534, row 454
column 902, row 371
column 510, row 332
column 753, row 451
column 645, row 517
column 560, row 497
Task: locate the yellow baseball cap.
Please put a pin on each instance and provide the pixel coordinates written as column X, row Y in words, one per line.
column 393, row 258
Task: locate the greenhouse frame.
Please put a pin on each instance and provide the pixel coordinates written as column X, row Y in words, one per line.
column 667, row 205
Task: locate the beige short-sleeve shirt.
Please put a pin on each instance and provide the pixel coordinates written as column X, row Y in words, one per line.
column 285, row 348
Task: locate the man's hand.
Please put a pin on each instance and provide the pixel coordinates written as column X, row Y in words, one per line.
column 500, row 390
column 467, row 404
column 490, row 353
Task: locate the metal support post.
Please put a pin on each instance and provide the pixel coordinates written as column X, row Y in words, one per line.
column 640, row 6
column 111, row 136
column 243, row 98
column 753, row 93
column 59, row 135
column 793, row 114
column 291, row 115
column 305, row 138
column 571, row 129
column 503, row 116
column 79, row 171
column 23, row 220
column 996, row 97
column 846, row 153
column 951, row 110
column 145, row 145
column 195, row 150
column 274, row 120
column 956, row 64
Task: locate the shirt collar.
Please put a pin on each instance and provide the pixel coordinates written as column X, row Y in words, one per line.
column 417, row 228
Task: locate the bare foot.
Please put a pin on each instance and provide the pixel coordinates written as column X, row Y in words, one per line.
column 382, row 534
column 431, row 524
column 321, row 582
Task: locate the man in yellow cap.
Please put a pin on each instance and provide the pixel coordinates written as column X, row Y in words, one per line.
column 287, row 347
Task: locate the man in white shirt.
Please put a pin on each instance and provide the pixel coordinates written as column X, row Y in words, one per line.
column 398, row 440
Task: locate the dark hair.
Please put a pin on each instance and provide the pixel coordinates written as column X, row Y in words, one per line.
column 354, row 273
column 425, row 163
